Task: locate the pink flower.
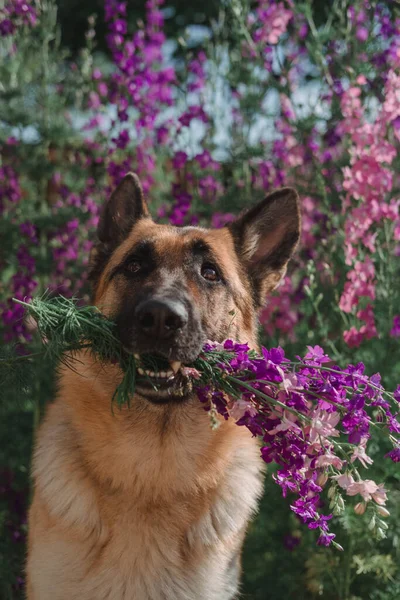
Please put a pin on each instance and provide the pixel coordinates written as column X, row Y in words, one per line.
column 240, row 408
column 362, row 34
column 344, row 481
column 316, row 355
column 190, row 372
column 323, row 425
column 366, row 488
column 329, row 459
column 380, row 496
column 289, row 380
column 360, row 454
column 273, row 19
column 289, row 421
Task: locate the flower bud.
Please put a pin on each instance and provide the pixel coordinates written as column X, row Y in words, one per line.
column 338, row 505
column 383, row 511
column 383, row 525
column 322, row 479
column 359, row 508
column 337, row 546
column 331, row 491
column 380, row 534
column 371, row 524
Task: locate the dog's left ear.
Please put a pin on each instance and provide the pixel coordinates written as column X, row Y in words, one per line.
column 265, row 238
column 124, row 208
column 121, row 211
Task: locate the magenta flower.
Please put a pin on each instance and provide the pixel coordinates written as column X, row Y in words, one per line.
column 325, row 539
column 395, row 331
column 394, row 455
column 316, row 356
column 179, row 160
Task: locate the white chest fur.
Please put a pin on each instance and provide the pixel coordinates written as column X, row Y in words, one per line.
column 99, row 543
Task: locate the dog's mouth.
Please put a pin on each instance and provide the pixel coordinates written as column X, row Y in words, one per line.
column 160, row 379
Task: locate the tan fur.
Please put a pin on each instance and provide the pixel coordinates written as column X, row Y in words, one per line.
column 147, row 502
column 142, row 504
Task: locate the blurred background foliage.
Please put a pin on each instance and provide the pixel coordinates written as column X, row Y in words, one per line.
column 213, row 104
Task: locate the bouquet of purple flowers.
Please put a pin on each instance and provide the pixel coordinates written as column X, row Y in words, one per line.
column 315, row 421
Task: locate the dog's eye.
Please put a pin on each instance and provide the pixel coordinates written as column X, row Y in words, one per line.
column 133, row 267
column 209, row 272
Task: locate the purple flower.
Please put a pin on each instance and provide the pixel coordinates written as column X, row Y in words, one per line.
column 395, row 331
column 394, row 454
column 291, row 542
column 193, row 112
column 7, row 27
column 30, row 231
column 396, row 394
column 119, row 26
column 179, row 160
column 325, row 539
column 316, row 355
column 122, row 140
column 305, row 509
column 275, row 355
column 362, row 34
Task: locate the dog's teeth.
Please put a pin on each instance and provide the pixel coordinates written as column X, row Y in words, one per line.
column 161, row 374
column 175, row 365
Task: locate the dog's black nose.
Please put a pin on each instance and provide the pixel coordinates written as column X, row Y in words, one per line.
column 160, row 318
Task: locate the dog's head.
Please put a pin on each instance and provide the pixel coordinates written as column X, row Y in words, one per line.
column 169, row 289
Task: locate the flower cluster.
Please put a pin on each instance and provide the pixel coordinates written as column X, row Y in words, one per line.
column 368, row 181
column 23, row 283
column 10, row 190
column 363, row 135
column 142, row 81
column 14, row 14
column 315, row 421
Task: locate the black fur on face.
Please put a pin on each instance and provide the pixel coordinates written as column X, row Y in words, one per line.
column 157, row 312
column 170, row 289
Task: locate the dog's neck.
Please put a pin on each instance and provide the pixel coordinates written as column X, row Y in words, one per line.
column 145, row 442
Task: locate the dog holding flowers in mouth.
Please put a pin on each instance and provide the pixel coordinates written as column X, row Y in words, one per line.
column 150, row 502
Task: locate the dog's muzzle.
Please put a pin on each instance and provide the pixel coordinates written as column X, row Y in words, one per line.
column 160, row 320
column 163, row 334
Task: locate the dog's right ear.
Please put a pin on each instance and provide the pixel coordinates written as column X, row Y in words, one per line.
column 265, row 237
column 124, row 208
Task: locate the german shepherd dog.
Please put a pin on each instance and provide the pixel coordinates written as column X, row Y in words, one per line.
column 150, row 502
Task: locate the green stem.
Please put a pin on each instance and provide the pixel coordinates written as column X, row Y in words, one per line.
column 347, row 574
column 10, row 361
column 269, row 399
